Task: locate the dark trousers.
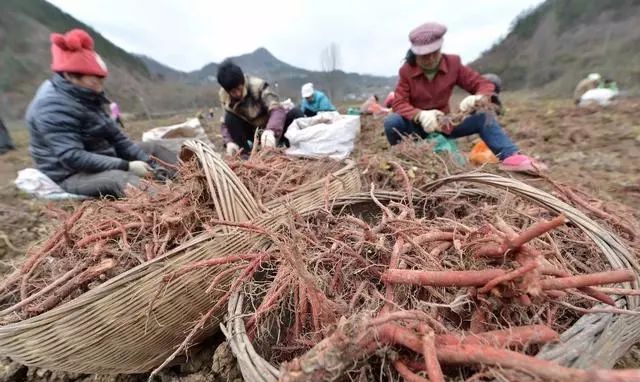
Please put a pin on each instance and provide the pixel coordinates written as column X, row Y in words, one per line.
column 6, row 143
column 114, row 182
column 310, row 113
column 483, row 124
column 242, row 132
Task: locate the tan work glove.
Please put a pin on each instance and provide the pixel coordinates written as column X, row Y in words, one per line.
column 268, row 139
column 469, row 102
column 140, row 168
column 428, row 119
column 232, row 148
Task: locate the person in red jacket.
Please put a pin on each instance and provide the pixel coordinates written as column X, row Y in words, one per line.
column 422, row 94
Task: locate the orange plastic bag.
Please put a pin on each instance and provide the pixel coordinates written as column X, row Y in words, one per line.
column 481, row 154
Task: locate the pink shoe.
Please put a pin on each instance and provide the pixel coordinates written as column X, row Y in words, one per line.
column 522, row 163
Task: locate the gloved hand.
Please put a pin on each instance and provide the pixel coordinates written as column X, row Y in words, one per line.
column 140, row 168
column 469, row 102
column 428, row 119
column 268, row 139
column 232, row 148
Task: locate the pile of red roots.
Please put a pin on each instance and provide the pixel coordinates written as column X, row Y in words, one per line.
column 101, row 239
column 459, row 287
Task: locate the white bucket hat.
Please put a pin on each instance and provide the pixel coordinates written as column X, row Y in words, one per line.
column 307, row 90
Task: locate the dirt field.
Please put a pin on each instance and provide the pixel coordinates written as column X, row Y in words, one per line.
column 597, row 149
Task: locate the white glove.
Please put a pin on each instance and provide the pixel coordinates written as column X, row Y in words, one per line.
column 232, row 148
column 469, row 102
column 268, row 139
column 428, row 119
column 140, row 168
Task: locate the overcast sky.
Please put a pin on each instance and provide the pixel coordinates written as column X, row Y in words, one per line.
column 372, row 35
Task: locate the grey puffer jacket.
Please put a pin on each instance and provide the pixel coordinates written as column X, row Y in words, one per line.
column 72, row 133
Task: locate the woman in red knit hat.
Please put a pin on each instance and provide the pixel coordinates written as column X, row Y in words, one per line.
column 74, row 141
column 425, row 85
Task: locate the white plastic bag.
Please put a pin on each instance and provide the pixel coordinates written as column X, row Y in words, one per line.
column 328, row 134
column 37, row 184
column 599, row 96
column 173, row 136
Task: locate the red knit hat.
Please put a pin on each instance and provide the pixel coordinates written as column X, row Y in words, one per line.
column 73, row 53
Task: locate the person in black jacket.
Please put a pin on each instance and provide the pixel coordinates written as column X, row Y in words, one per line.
column 73, row 139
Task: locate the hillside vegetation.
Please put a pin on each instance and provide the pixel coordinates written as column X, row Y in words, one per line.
column 553, row 46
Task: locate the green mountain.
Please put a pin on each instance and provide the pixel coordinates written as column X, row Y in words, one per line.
column 264, row 64
column 554, row 45
column 25, row 26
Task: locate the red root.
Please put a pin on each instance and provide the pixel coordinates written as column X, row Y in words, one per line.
column 78, row 282
column 441, row 278
column 592, row 279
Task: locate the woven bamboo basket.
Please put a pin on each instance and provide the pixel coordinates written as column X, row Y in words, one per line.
column 595, row 340
column 133, row 322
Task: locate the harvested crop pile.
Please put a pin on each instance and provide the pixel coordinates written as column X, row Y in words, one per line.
column 473, row 280
column 101, row 239
column 269, row 174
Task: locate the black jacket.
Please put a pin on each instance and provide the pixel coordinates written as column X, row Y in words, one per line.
column 71, row 132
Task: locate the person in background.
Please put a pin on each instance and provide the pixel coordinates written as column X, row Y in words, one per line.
column 495, row 97
column 610, row 84
column 424, row 88
column 372, row 107
column 115, row 113
column 250, row 104
column 74, row 141
column 314, row 101
column 6, row 144
column 592, row 81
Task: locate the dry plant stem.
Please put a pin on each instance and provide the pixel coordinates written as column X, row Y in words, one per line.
column 44, row 290
column 326, row 309
column 211, row 263
column 46, row 248
column 571, row 195
column 216, row 280
column 592, row 279
column 509, row 276
column 589, row 291
column 407, row 184
column 278, row 286
column 434, row 371
column 515, row 337
column 619, row 291
column 357, row 294
column 107, row 234
column 406, row 373
column 384, row 209
column 534, row 231
column 408, row 315
column 165, row 164
column 78, row 282
column 441, row 278
column 393, row 263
